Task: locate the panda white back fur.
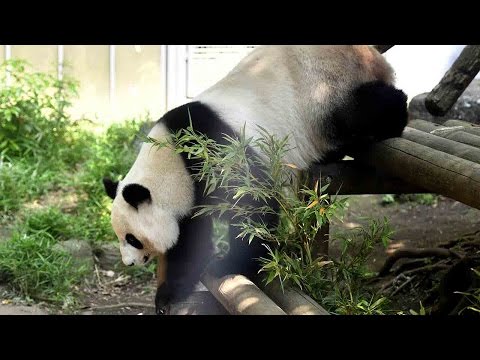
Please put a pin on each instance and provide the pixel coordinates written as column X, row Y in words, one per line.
column 292, row 90
column 325, row 98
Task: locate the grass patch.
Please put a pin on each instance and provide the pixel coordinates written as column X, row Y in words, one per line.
column 35, row 269
column 47, row 157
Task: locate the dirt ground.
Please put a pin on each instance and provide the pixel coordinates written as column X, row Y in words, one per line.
column 415, row 226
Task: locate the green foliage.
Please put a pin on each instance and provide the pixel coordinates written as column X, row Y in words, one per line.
column 51, row 221
column 109, row 153
column 422, row 311
column 421, row 199
column 141, row 272
column 46, row 156
column 32, row 266
column 426, row 199
column 33, row 120
column 337, row 283
column 303, row 211
column 388, row 199
column 220, row 236
column 22, row 180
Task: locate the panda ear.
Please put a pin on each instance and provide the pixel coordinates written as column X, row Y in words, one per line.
column 110, row 187
column 135, row 194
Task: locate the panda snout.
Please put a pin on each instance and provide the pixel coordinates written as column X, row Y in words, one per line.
column 131, row 264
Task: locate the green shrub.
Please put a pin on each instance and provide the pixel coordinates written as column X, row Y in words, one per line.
column 33, row 119
column 33, row 267
column 303, row 211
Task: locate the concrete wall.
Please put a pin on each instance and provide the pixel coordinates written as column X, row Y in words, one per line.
column 116, row 82
column 41, row 57
column 138, row 80
column 122, row 81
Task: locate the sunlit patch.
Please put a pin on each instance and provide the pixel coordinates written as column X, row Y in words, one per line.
column 246, row 303
column 351, row 225
column 133, row 90
column 321, row 92
column 394, row 247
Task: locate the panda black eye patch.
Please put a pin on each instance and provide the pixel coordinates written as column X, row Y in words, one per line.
column 132, row 240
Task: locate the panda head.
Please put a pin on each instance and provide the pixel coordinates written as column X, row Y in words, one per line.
column 144, row 229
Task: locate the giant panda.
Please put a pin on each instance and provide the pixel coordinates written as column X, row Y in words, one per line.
column 327, row 99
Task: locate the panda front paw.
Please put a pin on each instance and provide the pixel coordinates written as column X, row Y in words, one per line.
column 162, row 300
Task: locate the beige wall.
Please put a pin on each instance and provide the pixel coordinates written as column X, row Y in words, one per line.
column 138, row 81
column 41, row 57
column 89, row 64
column 139, row 86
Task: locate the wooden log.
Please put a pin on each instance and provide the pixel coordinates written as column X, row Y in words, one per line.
column 467, row 126
column 455, row 133
column 240, row 296
column 293, row 301
column 431, row 169
column 383, row 48
column 198, row 303
column 454, row 82
column 354, row 178
column 451, row 147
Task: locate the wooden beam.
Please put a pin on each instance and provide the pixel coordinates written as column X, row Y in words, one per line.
column 456, row 133
column 354, row 178
column 451, row 147
column 240, row 296
column 425, row 167
column 293, row 301
column 454, row 82
column 467, row 126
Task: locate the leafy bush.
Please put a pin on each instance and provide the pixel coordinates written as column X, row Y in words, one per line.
column 303, row 211
column 422, row 199
column 46, row 156
column 33, row 119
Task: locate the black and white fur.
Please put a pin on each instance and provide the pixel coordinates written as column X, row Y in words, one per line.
column 327, row 99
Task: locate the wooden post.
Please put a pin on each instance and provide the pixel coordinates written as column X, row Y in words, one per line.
column 456, row 133
column 353, row 178
column 240, row 296
column 467, row 126
column 454, row 82
column 431, row 169
column 293, row 301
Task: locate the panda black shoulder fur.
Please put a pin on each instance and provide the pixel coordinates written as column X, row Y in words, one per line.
column 327, row 99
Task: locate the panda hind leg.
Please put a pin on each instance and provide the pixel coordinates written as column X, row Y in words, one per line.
column 184, row 263
column 242, row 257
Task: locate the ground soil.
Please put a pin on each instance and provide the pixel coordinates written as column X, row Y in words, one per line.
column 415, row 226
